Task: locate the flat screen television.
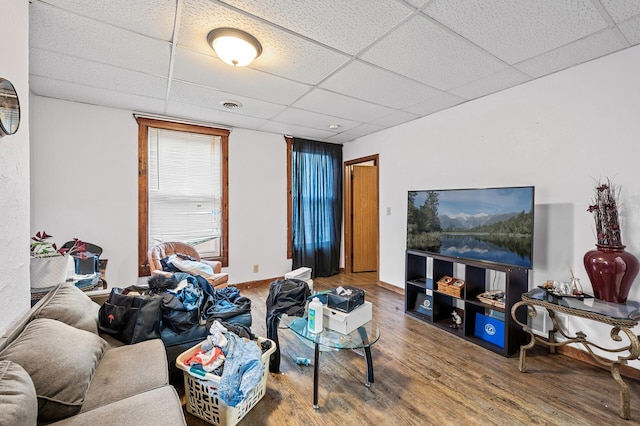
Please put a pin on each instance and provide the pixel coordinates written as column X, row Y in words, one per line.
column 485, row 224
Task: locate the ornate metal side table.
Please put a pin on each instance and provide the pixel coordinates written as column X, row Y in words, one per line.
column 621, row 317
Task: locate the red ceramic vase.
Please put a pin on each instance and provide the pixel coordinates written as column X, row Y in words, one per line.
column 612, row 271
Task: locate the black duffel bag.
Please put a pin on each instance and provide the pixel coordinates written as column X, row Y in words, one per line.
column 131, row 317
column 175, row 316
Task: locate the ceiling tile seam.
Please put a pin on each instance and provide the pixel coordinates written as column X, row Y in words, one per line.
column 177, row 20
column 280, row 27
column 510, row 67
column 85, row 59
column 298, row 35
column 109, row 24
column 339, row 68
column 90, row 86
column 611, row 23
column 404, row 77
column 337, row 121
column 384, row 35
column 615, row 30
column 375, row 103
column 465, row 40
column 604, row 13
column 226, row 92
column 261, row 128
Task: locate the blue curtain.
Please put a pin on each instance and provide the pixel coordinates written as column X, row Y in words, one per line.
column 317, row 206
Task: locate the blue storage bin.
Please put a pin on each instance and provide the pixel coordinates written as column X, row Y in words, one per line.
column 490, row 329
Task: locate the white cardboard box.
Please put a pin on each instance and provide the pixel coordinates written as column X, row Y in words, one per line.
column 302, row 274
column 345, row 323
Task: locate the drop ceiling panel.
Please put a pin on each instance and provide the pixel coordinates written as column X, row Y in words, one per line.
column 490, row 84
column 210, row 72
column 154, row 18
column 80, row 71
column 364, row 129
column 296, row 130
column 438, row 103
column 377, row 62
column 583, row 50
column 283, row 53
column 370, row 83
column 375, row 18
column 95, row 96
column 422, row 50
column 619, row 10
column 209, row 98
column 70, row 34
column 395, row 118
column 314, row 120
column 329, row 103
column 213, row 116
column 631, row 30
column 515, row 30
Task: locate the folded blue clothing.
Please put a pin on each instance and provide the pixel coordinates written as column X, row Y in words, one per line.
column 243, row 370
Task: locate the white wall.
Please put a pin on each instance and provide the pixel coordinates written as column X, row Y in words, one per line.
column 14, row 168
column 85, row 184
column 559, row 133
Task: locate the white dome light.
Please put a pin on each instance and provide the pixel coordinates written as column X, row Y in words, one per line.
column 233, row 46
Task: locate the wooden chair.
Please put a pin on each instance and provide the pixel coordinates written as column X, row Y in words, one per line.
column 162, row 250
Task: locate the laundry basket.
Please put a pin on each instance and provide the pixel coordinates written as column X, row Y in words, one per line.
column 201, row 391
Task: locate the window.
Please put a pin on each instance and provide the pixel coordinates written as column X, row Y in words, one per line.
column 315, row 188
column 182, row 188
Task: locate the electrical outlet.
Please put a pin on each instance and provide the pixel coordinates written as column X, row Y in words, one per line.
column 256, row 268
column 388, row 211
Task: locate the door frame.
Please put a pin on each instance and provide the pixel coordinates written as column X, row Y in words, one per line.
column 348, row 231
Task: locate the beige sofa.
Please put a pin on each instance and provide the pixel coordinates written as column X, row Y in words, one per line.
column 56, row 368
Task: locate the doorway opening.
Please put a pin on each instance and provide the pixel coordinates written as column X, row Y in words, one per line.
column 361, row 213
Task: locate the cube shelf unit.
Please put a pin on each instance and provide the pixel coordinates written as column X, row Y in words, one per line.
column 495, row 330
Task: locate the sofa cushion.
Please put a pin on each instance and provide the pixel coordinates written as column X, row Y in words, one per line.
column 72, row 306
column 61, row 360
column 127, row 370
column 18, row 401
column 157, row 407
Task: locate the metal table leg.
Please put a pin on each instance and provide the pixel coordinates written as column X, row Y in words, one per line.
column 316, row 361
column 367, row 355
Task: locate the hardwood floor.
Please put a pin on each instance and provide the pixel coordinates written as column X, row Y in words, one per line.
column 426, row 376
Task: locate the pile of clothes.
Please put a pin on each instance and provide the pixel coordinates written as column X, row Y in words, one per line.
column 190, row 300
column 231, row 353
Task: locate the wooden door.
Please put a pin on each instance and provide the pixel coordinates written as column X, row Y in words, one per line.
column 364, row 219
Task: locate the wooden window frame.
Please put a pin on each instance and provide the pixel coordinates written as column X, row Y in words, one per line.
column 143, row 185
column 289, row 141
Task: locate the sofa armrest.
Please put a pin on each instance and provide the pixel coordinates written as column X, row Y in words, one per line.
column 216, row 265
column 99, row 296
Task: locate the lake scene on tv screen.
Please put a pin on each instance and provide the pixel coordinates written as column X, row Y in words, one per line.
column 488, row 224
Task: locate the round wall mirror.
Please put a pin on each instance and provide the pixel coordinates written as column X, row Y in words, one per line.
column 9, row 108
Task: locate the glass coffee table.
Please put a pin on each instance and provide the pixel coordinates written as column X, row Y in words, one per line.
column 361, row 338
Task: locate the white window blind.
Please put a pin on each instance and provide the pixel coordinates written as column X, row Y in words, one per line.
column 185, row 188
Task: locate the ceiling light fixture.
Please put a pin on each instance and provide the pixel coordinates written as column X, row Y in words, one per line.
column 233, row 46
column 334, row 126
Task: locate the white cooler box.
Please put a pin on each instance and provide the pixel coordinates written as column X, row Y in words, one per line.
column 345, row 323
column 302, row 274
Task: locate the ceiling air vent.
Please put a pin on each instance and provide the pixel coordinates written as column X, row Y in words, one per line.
column 231, row 104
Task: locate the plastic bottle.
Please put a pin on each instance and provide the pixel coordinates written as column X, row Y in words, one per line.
column 300, row 360
column 314, row 324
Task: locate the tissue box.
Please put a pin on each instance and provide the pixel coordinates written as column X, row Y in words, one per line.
column 346, row 303
column 345, row 323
